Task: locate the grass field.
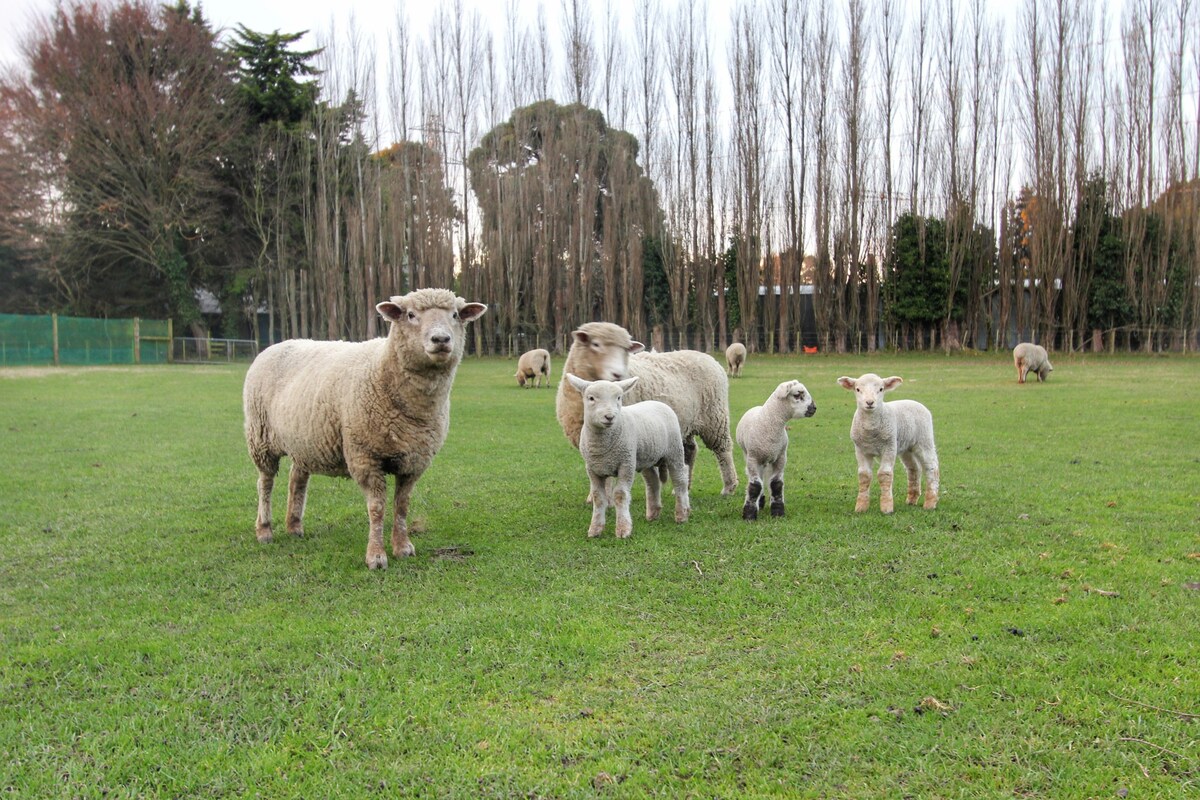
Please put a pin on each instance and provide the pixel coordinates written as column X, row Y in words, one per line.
column 1038, row 635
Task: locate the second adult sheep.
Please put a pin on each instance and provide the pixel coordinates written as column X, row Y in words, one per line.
column 762, row 435
column 735, row 359
column 1029, row 357
column 881, row 431
column 533, row 367
column 618, row 441
column 690, row 382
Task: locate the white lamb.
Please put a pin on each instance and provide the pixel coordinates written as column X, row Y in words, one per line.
column 1028, row 357
column 762, row 435
column 735, row 358
column 617, row 441
column 534, row 366
column 690, row 382
column 881, row 431
column 363, row 410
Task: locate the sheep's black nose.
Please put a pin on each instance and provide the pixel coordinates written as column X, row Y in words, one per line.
column 440, row 338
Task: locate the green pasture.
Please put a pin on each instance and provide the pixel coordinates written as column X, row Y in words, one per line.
column 1038, row 635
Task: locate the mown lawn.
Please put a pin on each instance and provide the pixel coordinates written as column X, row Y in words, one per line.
column 1038, row 635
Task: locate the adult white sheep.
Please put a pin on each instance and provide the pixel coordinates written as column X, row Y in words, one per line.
column 618, row 441
column 881, row 431
column 762, row 435
column 1029, row 357
column 691, row 383
column 533, row 366
column 363, row 410
column 735, row 358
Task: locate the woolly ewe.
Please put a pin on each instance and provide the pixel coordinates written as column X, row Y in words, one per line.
column 363, row 410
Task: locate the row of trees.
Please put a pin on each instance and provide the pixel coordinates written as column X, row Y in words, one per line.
column 936, row 176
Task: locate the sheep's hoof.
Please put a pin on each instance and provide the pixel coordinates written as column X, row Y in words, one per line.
column 624, row 532
column 403, row 550
column 728, row 490
column 263, row 532
column 750, row 512
column 377, row 560
column 682, row 516
column 930, row 505
column 653, row 515
column 594, row 533
column 297, row 532
column 861, row 506
column 776, row 509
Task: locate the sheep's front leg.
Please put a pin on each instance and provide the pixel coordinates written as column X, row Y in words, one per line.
column 913, row 470
column 622, row 494
column 653, row 493
column 864, row 482
column 401, row 546
column 887, row 465
column 374, row 487
column 777, row 486
column 600, row 498
column 933, row 480
column 297, row 496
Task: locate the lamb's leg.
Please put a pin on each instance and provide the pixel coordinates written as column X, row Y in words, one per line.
column 653, row 493
column 933, row 481
column 777, row 495
column 886, row 467
column 864, row 483
column 297, row 496
column 621, row 496
column 679, row 485
column 753, row 498
column 267, row 469
column 374, row 487
column 599, row 497
column 913, row 470
column 401, row 546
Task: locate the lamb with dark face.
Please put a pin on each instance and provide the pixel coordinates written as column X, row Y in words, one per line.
column 762, row 435
column 363, row 410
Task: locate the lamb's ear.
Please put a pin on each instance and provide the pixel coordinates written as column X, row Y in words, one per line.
column 471, row 311
column 847, row 383
column 783, row 390
column 892, row 382
column 390, row 311
column 627, row 384
column 581, row 337
column 579, row 383
column 636, row 347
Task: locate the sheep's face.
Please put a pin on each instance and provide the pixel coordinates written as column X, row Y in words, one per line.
column 869, row 389
column 602, row 400
column 796, row 397
column 602, row 358
column 435, row 319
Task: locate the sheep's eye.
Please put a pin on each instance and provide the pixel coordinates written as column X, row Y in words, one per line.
column 454, row 315
column 412, row 315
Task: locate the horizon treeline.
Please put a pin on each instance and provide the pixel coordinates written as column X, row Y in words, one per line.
column 849, row 175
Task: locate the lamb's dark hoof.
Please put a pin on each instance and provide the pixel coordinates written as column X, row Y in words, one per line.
column 776, row 509
column 750, row 512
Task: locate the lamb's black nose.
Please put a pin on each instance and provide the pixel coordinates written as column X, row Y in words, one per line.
column 443, row 338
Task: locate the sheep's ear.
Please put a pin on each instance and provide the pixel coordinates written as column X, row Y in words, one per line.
column 471, row 311
column 627, row 384
column 579, row 383
column 892, row 382
column 783, row 390
column 636, row 347
column 847, row 383
column 390, row 311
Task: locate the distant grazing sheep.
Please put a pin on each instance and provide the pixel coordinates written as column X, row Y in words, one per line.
column 691, row 383
column 881, row 431
column 762, row 435
column 1033, row 358
column 533, row 367
column 363, row 410
column 735, row 357
column 618, row 441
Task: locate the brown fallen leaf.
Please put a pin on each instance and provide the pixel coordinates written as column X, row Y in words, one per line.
column 1195, row 587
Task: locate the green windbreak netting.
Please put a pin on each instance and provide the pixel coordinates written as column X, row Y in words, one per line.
column 40, row 340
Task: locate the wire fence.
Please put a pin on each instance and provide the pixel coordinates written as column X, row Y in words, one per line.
column 42, row 340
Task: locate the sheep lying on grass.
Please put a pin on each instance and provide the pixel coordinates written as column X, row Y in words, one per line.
column 1033, row 358
column 691, row 383
column 358, row 409
column 534, row 366
column 617, row 441
column 762, row 435
column 881, row 431
column 735, row 358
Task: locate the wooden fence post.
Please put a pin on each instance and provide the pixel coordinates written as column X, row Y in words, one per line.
column 137, row 340
column 54, row 336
